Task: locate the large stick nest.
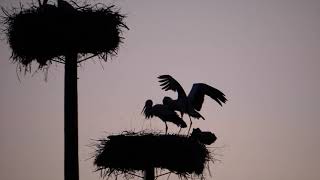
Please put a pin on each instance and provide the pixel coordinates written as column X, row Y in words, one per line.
column 47, row 32
column 133, row 152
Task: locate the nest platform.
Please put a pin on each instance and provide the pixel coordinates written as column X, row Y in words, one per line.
column 138, row 151
column 46, row 32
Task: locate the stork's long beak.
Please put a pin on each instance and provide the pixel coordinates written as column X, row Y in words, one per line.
column 144, row 108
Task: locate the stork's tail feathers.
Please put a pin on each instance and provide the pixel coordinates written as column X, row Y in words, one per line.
column 182, row 124
column 179, row 122
column 196, row 115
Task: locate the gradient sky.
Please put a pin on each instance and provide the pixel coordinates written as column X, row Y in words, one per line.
column 263, row 54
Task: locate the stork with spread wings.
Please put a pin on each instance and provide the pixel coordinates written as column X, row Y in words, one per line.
column 189, row 104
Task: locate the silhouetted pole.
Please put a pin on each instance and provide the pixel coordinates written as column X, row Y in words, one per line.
column 149, row 174
column 42, row 34
column 71, row 163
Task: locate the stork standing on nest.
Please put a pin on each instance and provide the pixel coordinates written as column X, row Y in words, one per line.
column 164, row 113
column 192, row 103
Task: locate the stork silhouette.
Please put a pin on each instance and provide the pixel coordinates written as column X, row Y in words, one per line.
column 192, row 103
column 164, row 113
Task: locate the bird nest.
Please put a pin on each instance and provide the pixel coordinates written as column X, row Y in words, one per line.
column 47, row 32
column 131, row 152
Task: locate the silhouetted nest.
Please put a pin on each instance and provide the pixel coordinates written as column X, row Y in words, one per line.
column 48, row 32
column 131, row 152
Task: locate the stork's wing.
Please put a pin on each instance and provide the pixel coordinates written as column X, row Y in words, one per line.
column 168, row 83
column 199, row 90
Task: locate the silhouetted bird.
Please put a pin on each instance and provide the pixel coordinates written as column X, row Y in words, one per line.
column 164, row 113
column 192, row 103
column 204, row 137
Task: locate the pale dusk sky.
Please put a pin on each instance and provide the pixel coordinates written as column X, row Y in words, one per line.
column 263, row 54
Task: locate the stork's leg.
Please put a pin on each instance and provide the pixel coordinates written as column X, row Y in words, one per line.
column 190, row 125
column 181, row 118
column 166, row 127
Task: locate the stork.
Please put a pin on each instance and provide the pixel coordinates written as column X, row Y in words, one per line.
column 164, row 113
column 192, row 103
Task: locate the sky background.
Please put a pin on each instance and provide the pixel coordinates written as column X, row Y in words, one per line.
column 263, row 54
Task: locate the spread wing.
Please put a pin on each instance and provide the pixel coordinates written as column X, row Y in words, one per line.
column 169, row 83
column 199, row 90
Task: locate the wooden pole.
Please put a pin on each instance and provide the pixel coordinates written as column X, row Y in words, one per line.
column 149, row 174
column 71, row 159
